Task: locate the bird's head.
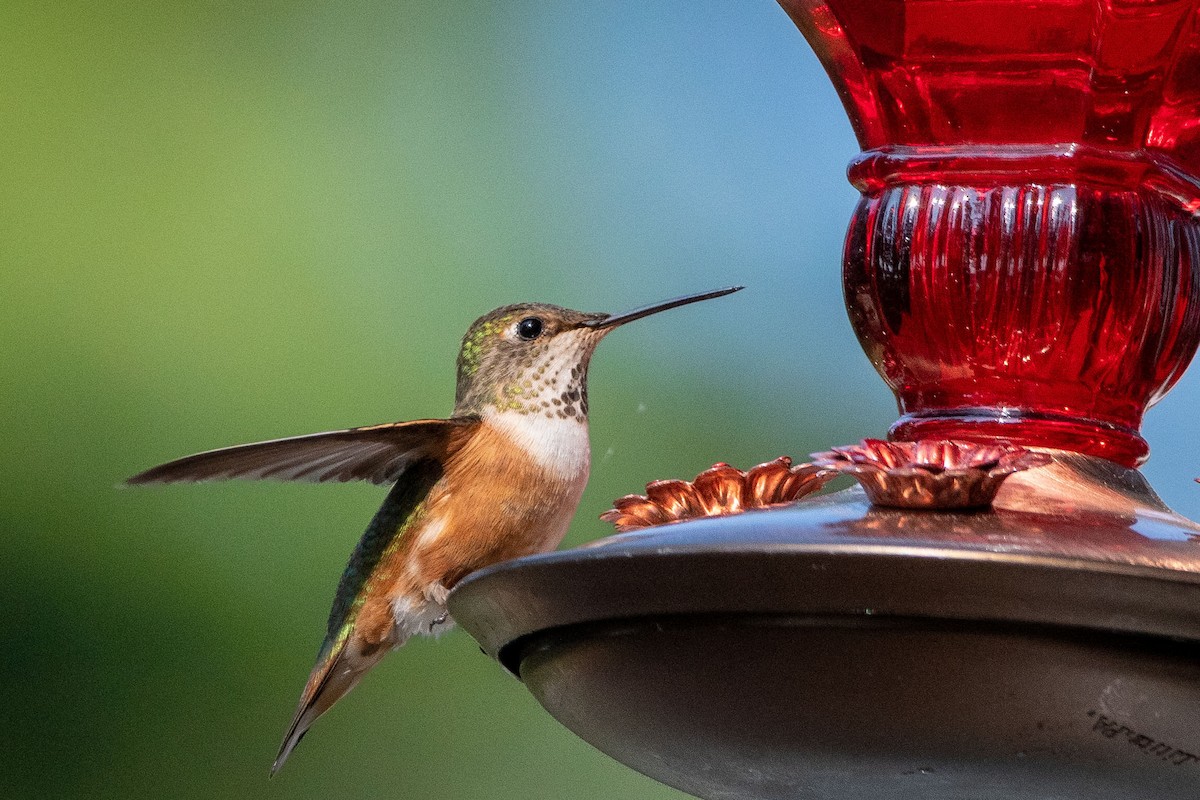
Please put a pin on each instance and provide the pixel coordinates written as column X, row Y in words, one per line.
column 533, row 357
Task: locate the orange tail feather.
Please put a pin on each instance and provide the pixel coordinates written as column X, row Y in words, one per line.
column 334, row 675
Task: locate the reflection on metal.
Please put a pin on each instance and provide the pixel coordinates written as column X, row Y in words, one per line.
column 1046, row 647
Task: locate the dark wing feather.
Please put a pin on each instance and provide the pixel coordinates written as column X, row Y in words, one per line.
column 376, row 453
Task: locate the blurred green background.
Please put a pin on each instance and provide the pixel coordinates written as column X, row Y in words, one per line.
column 224, row 222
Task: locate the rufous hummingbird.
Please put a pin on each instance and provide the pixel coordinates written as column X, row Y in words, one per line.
column 500, row 478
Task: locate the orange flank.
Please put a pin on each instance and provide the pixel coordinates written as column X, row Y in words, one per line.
column 525, row 509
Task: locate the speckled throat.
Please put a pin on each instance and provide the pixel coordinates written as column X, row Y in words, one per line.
column 548, row 378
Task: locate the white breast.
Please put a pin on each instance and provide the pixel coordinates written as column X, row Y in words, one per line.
column 557, row 444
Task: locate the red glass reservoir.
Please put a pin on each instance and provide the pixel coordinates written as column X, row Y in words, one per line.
column 1024, row 264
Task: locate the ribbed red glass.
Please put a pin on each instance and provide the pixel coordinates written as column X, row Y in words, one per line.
column 1024, row 264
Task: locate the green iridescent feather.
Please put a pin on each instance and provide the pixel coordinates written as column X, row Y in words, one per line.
column 401, row 510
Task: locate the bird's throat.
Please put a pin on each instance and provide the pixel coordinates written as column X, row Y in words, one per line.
column 558, row 444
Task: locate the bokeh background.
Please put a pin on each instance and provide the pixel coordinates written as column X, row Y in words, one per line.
column 222, row 222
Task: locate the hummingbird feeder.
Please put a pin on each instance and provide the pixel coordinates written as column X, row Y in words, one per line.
column 1004, row 609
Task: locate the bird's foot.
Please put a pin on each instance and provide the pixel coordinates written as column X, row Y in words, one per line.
column 435, row 594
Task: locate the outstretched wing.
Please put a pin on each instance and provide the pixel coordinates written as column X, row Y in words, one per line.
column 376, row 453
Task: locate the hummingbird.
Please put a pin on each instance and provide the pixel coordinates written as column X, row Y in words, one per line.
column 501, row 478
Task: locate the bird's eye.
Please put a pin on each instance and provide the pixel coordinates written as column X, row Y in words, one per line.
column 529, row 328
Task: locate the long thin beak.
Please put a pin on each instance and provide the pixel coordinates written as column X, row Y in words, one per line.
column 612, row 320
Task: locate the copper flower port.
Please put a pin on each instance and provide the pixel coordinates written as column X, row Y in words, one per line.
column 937, row 474
column 717, row 491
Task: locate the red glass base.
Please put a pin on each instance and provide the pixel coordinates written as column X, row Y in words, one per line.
column 1043, row 297
column 1014, row 426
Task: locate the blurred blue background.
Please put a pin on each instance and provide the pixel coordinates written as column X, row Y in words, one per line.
column 224, row 222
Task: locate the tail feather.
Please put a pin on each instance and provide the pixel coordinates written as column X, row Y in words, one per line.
column 335, row 674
